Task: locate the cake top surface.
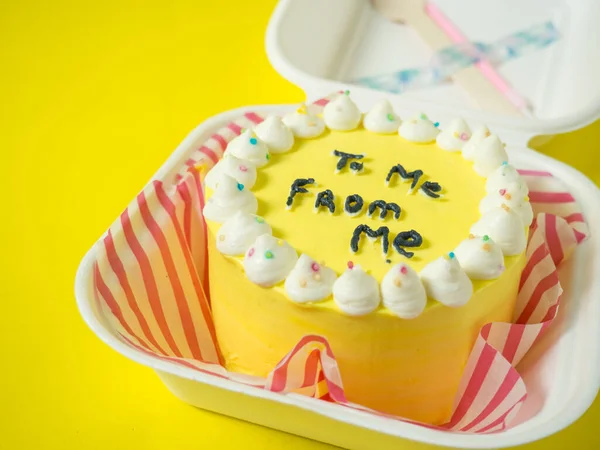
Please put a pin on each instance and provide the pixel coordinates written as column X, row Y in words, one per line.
column 442, row 222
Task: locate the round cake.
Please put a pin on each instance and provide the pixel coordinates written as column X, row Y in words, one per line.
column 393, row 239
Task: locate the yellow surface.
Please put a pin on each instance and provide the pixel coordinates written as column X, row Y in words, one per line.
column 94, row 96
column 326, row 236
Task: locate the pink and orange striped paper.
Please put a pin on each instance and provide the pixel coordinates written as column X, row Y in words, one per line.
column 151, row 285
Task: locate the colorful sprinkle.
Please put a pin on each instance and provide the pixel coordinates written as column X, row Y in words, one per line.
column 436, row 124
column 222, row 238
column 505, row 207
column 505, row 163
column 390, row 117
column 507, row 196
column 486, row 247
column 268, row 156
column 250, row 252
column 471, row 236
column 259, row 219
column 243, row 130
column 301, row 110
column 302, row 282
column 253, row 141
column 240, row 187
column 502, row 191
column 486, row 238
column 397, row 282
column 346, row 92
column 423, row 116
column 526, row 198
column 269, row 254
column 243, row 169
column 464, row 137
column 314, row 267
column 488, row 134
column 350, row 265
column 451, row 255
column 403, row 270
column 317, row 276
column 280, row 242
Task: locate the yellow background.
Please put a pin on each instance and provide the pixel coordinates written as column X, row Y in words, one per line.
column 93, row 98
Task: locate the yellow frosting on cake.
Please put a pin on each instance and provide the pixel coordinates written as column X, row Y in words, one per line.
column 406, row 367
column 442, row 222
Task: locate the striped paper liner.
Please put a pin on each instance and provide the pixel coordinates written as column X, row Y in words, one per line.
column 151, row 286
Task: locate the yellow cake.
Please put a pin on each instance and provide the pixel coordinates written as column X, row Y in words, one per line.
column 392, row 239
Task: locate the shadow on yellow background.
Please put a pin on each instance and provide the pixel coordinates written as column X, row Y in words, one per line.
column 93, row 98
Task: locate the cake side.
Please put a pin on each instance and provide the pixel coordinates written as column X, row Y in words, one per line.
column 387, row 363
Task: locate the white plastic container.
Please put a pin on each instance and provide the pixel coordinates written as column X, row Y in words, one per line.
column 563, row 368
column 317, row 44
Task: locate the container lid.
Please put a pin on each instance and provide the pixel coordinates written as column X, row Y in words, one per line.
column 326, row 46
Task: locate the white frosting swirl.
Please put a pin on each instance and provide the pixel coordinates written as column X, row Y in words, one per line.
column 269, row 260
column 447, row 282
column 229, row 197
column 480, row 257
column 273, row 132
column 418, row 129
column 489, row 155
column 309, row 281
column 303, row 124
column 503, row 175
column 341, row 113
column 382, row 118
column 505, row 227
column 249, row 147
column 240, row 170
column 403, row 292
column 512, row 195
column 455, row 136
column 470, row 148
column 239, row 232
column 356, row 292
